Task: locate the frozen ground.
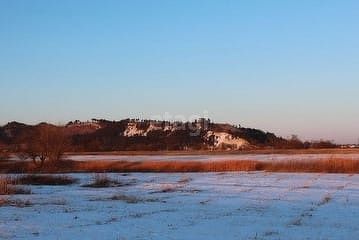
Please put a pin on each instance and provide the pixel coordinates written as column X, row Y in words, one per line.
column 206, row 206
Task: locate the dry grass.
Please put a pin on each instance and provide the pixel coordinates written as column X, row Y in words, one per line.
column 15, row 203
column 102, row 180
column 46, row 180
column 5, row 186
column 28, row 167
column 323, row 166
column 3, row 202
column 126, row 198
column 166, row 166
column 8, row 186
column 133, row 199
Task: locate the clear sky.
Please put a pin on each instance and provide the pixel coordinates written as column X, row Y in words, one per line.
column 290, row 67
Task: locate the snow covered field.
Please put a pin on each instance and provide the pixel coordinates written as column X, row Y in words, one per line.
column 255, row 205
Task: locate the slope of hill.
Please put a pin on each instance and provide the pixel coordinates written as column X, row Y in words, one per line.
column 134, row 134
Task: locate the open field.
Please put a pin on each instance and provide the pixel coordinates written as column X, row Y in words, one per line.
column 319, row 165
column 260, row 154
column 326, row 160
column 237, row 205
column 208, row 156
column 221, row 196
column 258, row 151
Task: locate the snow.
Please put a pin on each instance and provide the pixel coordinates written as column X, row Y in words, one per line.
column 240, row 205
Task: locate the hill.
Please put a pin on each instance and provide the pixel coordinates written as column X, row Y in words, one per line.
column 152, row 135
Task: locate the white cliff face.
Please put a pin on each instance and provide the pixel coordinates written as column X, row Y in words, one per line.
column 218, row 139
column 226, row 139
column 132, row 130
column 168, row 128
column 151, row 128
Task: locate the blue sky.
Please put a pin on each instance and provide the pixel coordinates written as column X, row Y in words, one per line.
column 290, row 67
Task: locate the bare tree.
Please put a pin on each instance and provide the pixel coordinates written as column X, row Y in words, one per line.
column 46, row 144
